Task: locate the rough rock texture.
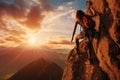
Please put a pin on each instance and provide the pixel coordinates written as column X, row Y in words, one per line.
column 104, row 63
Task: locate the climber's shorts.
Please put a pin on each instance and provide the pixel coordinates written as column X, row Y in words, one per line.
column 81, row 35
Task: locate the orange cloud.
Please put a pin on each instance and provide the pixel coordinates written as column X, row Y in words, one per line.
column 17, row 32
column 13, row 39
column 34, row 17
column 2, row 41
column 21, row 9
column 66, row 42
column 11, row 35
column 60, row 42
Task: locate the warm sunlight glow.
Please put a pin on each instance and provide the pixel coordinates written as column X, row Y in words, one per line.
column 32, row 41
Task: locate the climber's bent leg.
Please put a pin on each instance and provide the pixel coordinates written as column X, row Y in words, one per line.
column 77, row 45
column 77, row 42
column 79, row 36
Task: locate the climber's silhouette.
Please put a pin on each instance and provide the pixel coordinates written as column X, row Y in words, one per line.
column 87, row 24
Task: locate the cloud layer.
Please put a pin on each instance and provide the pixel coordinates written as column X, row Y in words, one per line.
column 28, row 13
column 17, row 16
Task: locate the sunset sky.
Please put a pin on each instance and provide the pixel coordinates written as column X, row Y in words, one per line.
column 38, row 22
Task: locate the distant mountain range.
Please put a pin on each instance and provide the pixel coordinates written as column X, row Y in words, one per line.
column 39, row 70
column 13, row 59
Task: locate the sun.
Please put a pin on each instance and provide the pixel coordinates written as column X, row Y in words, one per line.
column 32, row 41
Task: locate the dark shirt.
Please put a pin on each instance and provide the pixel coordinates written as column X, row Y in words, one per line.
column 90, row 23
column 87, row 22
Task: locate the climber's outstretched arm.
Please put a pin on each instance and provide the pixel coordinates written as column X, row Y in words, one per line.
column 74, row 30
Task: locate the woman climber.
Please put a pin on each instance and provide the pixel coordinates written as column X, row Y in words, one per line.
column 87, row 24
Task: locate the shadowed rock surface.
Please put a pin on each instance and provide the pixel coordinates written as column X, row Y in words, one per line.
column 105, row 47
column 39, row 70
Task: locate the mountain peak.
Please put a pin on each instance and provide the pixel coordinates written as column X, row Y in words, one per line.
column 39, row 70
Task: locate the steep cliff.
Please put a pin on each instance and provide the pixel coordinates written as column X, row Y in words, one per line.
column 104, row 63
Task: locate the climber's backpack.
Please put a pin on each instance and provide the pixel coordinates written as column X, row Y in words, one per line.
column 88, row 22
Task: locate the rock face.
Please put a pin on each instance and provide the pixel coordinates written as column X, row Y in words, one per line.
column 39, row 70
column 104, row 63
